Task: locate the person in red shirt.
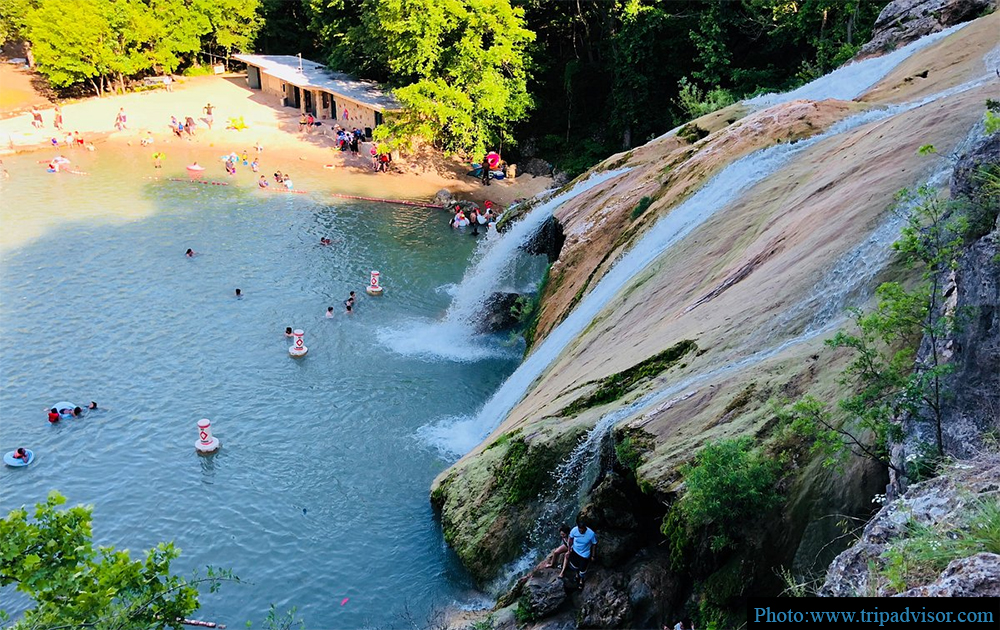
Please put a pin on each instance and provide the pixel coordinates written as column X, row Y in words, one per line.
column 53, row 415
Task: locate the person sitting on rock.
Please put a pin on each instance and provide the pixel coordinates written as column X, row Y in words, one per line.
column 583, row 550
column 555, row 556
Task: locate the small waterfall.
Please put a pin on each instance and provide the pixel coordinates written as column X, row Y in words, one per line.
column 495, row 262
column 458, row 436
column 851, row 81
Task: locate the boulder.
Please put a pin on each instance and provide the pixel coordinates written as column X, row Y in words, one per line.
column 444, row 198
column 903, row 21
column 501, row 311
column 537, row 167
column 543, row 592
column 606, row 602
column 609, row 506
column 975, row 576
column 617, row 546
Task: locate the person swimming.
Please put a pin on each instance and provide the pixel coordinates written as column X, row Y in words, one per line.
column 189, row 253
column 239, row 293
column 21, row 454
column 288, row 331
column 262, row 182
column 349, row 302
column 92, row 406
column 329, row 311
column 324, row 241
column 53, row 415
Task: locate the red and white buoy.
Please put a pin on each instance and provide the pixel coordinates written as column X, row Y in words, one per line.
column 207, row 443
column 373, row 286
column 298, row 347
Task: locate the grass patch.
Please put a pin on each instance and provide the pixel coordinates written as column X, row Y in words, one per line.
column 613, row 387
column 522, row 472
column 926, row 550
column 691, row 133
column 631, row 448
column 503, row 439
column 641, row 207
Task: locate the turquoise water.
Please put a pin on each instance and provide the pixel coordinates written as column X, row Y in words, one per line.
column 320, row 490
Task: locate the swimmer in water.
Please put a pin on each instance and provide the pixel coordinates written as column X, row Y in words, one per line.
column 21, row 454
column 288, row 332
column 349, row 303
column 262, row 182
column 189, row 253
column 324, row 241
column 77, row 412
column 92, row 406
column 329, row 312
column 53, row 415
column 239, row 293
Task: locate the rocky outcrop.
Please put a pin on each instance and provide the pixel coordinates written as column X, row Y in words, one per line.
column 606, row 602
column 975, row 576
column 543, row 593
column 904, row 21
column 943, row 504
column 501, row 311
column 548, row 240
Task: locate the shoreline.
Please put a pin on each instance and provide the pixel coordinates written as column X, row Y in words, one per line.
column 275, row 128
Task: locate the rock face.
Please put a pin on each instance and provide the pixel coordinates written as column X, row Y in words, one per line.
column 903, row 21
column 543, row 593
column 943, row 501
column 547, row 240
column 537, row 167
column 975, row 576
column 500, row 312
column 606, row 602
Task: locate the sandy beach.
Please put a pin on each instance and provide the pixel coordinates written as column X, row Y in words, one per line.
column 274, row 127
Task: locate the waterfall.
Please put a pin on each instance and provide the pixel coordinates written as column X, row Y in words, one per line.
column 457, row 436
column 852, row 80
column 493, row 268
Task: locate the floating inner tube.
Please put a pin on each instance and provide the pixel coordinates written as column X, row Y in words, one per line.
column 10, row 460
column 64, row 408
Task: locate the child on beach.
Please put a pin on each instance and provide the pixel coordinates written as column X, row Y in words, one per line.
column 120, row 119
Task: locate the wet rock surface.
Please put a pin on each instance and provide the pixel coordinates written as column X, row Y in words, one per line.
column 501, row 312
column 904, row 21
column 544, row 592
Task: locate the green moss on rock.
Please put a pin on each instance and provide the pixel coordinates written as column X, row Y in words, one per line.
column 611, row 388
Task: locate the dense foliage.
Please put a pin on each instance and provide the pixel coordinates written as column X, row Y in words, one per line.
column 104, row 42
column 52, row 559
column 602, row 75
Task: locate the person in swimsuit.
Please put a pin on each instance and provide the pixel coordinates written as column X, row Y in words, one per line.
column 53, row 415
column 189, row 253
column 329, row 312
column 92, row 406
column 349, row 302
column 262, row 182
column 288, row 332
column 21, row 454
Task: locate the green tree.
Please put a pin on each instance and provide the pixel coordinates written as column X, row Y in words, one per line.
column 52, row 559
column 463, row 65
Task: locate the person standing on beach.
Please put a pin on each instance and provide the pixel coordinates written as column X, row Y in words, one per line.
column 58, row 123
column 209, row 118
column 486, row 172
column 120, row 119
column 36, row 118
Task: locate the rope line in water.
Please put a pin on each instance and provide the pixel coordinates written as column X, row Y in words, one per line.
column 420, row 204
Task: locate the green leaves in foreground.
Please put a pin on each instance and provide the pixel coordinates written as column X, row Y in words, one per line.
column 728, row 485
column 51, row 558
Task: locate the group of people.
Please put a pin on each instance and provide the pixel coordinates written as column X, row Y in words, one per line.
column 486, row 219
column 348, row 306
column 37, row 122
column 188, row 126
column 55, row 414
column 281, row 179
column 348, row 140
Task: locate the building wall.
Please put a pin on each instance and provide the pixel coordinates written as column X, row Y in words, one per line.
column 358, row 115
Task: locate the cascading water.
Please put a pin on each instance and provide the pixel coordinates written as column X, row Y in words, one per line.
column 493, row 270
column 848, row 282
column 459, row 435
column 851, row 81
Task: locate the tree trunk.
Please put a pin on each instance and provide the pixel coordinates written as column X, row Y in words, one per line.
column 29, row 55
column 97, row 90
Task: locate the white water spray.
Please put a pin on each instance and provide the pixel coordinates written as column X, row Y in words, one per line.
column 494, row 265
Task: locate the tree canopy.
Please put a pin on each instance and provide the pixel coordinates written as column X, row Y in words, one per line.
column 110, row 40
column 51, row 558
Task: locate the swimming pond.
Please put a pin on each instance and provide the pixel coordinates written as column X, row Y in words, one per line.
column 320, row 490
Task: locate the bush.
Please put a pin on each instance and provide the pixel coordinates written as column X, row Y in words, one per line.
column 728, row 485
column 197, row 71
column 696, row 102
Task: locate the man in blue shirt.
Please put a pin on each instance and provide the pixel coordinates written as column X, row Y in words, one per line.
column 584, row 541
